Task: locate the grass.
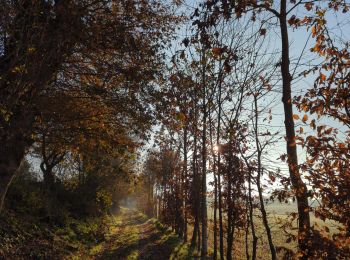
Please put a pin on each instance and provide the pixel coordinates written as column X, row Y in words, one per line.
column 128, row 235
column 131, row 235
column 278, row 215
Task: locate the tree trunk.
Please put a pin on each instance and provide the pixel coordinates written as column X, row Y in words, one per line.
column 204, row 248
column 218, row 129
column 196, row 179
column 49, row 179
column 231, row 175
column 6, row 177
column 265, row 221
column 215, row 216
column 185, row 186
column 196, row 191
column 251, row 211
column 247, row 231
column 297, row 183
column 229, row 238
column 215, row 253
column 259, row 171
column 11, row 155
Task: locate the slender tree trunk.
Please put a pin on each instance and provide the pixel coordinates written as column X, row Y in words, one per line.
column 218, row 129
column 215, row 253
column 13, row 143
column 196, row 196
column 199, row 238
column 259, row 171
column 231, row 175
column 251, row 211
column 11, row 156
column 215, row 216
column 184, row 194
column 265, row 220
column 221, row 226
column 229, row 238
column 196, row 189
column 296, row 180
column 204, row 249
column 247, row 231
column 149, row 206
column 7, row 175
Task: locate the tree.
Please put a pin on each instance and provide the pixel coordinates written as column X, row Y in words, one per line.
column 327, row 147
column 50, row 45
column 226, row 10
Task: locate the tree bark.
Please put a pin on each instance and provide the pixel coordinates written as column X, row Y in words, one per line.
column 299, row 186
column 247, row 231
column 195, row 185
column 11, row 155
column 251, row 218
column 204, row 249
column 259, row 172
column 221, row 231
column 7, row 174
column 229, row 235
column 215, row 214
column 215, row 253
column 185, row 185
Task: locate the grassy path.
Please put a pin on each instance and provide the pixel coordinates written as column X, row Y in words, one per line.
column 131, row 235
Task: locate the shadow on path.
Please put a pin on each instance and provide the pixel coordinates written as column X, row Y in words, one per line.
column 137, row 237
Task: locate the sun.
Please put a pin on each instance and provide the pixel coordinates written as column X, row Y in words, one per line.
column 216, row 147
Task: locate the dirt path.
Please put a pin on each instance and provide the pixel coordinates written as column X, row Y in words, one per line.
column 134, row 236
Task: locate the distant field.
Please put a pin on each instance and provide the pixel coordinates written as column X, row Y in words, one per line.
column 278, row 215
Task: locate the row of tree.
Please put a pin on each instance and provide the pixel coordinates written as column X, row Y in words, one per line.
column 219, row 97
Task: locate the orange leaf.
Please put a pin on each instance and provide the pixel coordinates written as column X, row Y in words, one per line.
column 313, row 30
column 305, row 118
column 296, row 117
column 216, row 51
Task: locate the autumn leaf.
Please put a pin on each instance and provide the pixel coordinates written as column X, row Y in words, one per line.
column 296, row 117
column 341, row 146
column 173, row 78
column 283, row 157
column 216, row 51
column 263, row 31
column 322, row 77
column 292, row 20
column 328, row 131
column 181, row 117
column 313, row 31
column 309, row 6
column 305, row 118
column 312, row 124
